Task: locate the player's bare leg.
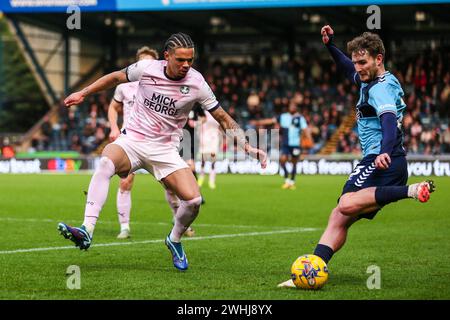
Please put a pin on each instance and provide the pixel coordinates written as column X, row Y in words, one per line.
column 212, row 174
column 182, row 183
column 191, row 164
column 335, row 234
column 113, row 161
column 124, row 205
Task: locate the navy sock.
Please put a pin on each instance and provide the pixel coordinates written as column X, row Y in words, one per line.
column 294, row 172
column 323, row 251
column 388, row 194
column 286, row 173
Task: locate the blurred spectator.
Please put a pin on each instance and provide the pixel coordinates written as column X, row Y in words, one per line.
column 445, row 140
column 46, row 132
column 7, row 150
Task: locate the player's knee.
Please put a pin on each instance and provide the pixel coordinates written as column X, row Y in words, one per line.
column 193, row 204
column 347, row 208
column 106, row 167
column 338, row 220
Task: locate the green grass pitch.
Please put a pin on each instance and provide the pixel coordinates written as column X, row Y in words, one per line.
column 248, row 234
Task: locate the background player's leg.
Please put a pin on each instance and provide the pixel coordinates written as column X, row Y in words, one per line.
column 114, row 160
column 183, row 184
column 293, row 172
column 283, row 160
column 201, row 177
column 212, row 174
column 124, row 205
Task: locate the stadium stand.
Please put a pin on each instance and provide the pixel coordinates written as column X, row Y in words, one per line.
column 254, row 91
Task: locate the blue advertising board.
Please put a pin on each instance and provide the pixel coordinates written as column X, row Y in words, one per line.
column 36, row 6
column 154, row 5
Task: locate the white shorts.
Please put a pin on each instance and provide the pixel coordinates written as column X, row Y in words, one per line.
column 158, row 159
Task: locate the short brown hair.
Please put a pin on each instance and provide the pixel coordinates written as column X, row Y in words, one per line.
column 367, row 41
column 147, row 51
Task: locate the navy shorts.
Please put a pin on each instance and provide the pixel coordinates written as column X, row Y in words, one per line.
column 365, row 175
column 291, row 151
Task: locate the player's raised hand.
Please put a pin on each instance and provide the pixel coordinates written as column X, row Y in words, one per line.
column 74, row 98
column 326, row 31
column 258, row 154
column 383, row 161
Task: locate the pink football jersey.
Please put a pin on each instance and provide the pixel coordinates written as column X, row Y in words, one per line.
column 162, row 105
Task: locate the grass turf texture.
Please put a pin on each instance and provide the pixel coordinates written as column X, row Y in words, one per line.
column 408, row 240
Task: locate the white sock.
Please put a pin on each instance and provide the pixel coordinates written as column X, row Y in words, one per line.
column 89, row 228
column 412, row 190
column 97, row 193
column 186, row 214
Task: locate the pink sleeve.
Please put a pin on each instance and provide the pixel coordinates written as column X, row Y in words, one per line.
column 135, row 71
column 206, row 97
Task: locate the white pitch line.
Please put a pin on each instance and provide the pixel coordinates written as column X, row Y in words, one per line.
column 10, row 219
column 219, row 236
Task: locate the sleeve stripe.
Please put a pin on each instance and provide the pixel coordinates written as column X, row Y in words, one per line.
column 214, row 108
column 387, row 111
column 126, row 73
column 117, row 100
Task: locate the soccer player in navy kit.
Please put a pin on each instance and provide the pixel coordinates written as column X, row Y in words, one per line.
column 380, row 178
column 291, row 123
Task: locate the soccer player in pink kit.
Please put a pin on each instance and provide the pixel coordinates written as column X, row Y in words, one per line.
column 168, row 90
column 123, row 101
column 209, row 147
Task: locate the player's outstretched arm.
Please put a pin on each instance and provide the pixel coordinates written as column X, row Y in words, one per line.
column 342, row 61
column 388, row 122
column 108, row 81
column 232, row 129
column 113, row 112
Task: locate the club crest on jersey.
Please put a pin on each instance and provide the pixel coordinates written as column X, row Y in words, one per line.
column 184, row 89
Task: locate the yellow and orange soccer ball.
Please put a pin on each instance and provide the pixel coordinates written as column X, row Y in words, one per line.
column 309, row 272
